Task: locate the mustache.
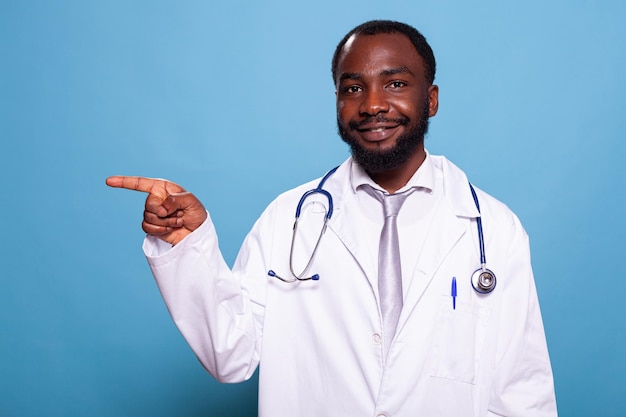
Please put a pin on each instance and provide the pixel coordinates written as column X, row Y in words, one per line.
column 403, row 121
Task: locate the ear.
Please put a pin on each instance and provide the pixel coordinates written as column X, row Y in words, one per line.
column 433, row 97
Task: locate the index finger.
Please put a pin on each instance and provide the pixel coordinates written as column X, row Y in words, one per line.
column 133, row 183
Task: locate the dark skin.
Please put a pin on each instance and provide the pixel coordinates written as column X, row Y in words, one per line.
column 377, row 75
column 170, row 212
column 383, row 76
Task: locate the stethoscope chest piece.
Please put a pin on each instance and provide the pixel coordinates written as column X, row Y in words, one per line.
column 483, row 280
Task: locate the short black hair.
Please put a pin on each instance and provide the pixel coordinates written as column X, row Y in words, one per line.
column 375, row 27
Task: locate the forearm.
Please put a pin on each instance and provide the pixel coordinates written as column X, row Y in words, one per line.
column 207, row 303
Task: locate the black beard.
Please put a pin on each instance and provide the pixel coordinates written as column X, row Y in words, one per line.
column 374, row 161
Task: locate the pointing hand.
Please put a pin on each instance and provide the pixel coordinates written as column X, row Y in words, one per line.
column 170, row 212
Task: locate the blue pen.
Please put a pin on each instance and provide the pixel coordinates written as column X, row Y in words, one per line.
column 454, row 293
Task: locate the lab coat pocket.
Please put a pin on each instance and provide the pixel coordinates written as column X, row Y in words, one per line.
column 458, row 340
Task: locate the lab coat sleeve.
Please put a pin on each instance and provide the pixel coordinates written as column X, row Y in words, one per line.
column 523, row 382
column 219, row 317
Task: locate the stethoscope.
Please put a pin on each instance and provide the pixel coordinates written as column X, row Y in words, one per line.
column 483, row 279
column 329, row 213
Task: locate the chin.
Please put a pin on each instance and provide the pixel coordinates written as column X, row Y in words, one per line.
column 386, row 155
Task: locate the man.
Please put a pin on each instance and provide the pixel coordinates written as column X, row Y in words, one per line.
column 392, row 327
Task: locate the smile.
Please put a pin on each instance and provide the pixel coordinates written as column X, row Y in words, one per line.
column 376, row 128
column 377, row 133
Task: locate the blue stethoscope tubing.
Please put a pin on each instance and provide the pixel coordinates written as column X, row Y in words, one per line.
column 319, row 190
column 329, row 214
column 483, row 279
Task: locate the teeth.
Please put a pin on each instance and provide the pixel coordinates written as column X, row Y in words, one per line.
column 379, row 129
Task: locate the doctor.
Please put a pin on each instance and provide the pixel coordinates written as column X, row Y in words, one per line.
column 324, row 346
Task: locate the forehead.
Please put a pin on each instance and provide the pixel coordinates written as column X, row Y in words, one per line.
column 374, row 53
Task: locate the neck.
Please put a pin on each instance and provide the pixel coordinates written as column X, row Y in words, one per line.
column 394, row 179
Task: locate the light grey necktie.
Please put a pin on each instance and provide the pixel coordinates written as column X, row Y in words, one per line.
column 389, row 267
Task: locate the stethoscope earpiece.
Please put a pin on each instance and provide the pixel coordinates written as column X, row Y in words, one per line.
column 329, row 213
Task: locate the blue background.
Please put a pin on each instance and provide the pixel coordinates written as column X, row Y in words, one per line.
column 234, row 100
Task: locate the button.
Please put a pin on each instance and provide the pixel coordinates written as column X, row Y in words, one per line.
column 377, row 341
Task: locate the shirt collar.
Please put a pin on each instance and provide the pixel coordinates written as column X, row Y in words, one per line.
column 423, row 178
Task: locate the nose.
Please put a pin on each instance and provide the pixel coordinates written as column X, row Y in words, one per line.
column 374, row 102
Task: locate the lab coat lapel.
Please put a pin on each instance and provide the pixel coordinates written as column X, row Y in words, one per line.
column 445, row 231
column 449, row 224
column 346, row 221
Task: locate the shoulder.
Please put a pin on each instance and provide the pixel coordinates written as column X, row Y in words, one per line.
column 334, row 180
column 286, row 202
column 458, row 193
column 498, row 214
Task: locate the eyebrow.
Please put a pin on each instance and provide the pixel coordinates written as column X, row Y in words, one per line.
column 394, row 71
column 350, row 76
column 386, row 72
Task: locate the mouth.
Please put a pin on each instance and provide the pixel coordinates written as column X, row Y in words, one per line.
column 378, row 128
column 377, row 133
column 375, row 129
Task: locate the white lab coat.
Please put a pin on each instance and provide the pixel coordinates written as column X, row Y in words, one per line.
column 318, row 342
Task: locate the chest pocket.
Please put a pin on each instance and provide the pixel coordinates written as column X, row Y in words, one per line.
column 458, row 340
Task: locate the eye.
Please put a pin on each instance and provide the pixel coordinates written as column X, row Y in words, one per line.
column 352, row 89
column 397, row 84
